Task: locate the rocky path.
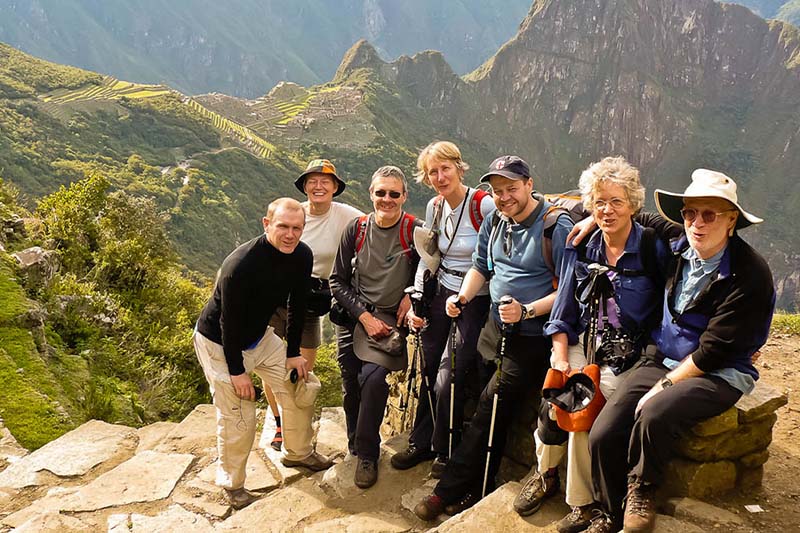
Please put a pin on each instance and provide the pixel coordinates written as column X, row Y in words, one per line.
column 105, row 477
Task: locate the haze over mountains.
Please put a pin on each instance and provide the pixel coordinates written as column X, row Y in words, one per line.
column 673, row 85
column 245, row 47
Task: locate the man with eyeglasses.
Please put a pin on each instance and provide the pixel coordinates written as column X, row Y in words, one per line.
column 718, row 305
column 509, row 255
column 374, row 265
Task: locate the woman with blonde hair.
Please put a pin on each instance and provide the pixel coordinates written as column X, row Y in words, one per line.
column 453, row 218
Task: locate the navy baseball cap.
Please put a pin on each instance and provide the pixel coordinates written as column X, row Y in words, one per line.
column 508, row 166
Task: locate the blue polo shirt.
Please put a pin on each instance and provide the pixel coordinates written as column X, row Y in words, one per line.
column 522, row 272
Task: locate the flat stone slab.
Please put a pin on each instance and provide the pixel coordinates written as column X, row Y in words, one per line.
column 280, row 511
column 668, row 524
column 410, row 499
column 73, row 454
column 286, row 474
column 151, row 435
column 52, row 522
column 258, row 475
column 761, row 402
column 208, row 503
column 495, row 513
column 362, row 523
column 50, row 503
column 332, row 432
column 146, row 477
column 197, row 433
column 175, row 518
column 697, row 512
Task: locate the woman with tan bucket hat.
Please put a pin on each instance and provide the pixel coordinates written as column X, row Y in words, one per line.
column 326, row 220
column 718, row 305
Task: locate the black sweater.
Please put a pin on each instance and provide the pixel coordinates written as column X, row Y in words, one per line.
column 253, row 281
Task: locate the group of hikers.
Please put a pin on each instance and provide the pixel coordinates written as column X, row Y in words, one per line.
column 635, row 326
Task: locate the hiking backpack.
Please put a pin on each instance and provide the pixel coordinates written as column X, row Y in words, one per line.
column 406, row 234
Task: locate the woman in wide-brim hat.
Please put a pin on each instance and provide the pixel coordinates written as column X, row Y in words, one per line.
column 718, row 307
column 326, row 220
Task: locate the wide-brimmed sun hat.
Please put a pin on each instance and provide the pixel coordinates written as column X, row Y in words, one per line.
column 705, row 184
column 319, row 166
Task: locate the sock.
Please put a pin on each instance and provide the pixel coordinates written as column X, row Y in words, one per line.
column 278, row 421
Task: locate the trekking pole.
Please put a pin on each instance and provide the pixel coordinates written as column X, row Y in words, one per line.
column 502, row 352
column 419, row 310
column 411, row 380
column 453, row 333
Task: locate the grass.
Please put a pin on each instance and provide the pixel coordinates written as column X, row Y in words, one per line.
column 786, row 323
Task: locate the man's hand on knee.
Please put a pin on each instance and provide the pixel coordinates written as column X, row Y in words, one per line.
column 243, row 386
column 300, row 364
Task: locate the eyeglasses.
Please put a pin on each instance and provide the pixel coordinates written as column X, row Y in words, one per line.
column 689, row 214
column 380, row 193
column 615, row 203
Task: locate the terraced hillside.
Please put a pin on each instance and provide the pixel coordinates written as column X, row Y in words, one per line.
column 109, row 88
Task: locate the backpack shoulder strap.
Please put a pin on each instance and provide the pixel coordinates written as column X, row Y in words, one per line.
column 361, row 232
column 475, row 215
column 550, row 219
column 407, row 234
column 492, row 237
column 647, row 251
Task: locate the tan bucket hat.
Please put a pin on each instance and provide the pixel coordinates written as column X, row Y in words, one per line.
column 305, row 391
column 705, row 183
column 389, row 352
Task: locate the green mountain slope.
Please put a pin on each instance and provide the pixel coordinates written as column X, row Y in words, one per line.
column 245, row 47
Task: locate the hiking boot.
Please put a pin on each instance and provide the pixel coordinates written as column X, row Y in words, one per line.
column 315, row 462
column 602, row 523
column 463, row 504
column 579, row 519
column 437, row 466
column 277, row 440
column 410, row 457
column 429, row 508
column 640, row 508
column 536, row 490
column 240, row 498
column 366, row 473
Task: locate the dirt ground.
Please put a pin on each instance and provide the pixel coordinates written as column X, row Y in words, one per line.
column 780, row 492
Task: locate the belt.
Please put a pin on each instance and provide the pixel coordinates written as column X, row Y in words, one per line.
column 456, row 273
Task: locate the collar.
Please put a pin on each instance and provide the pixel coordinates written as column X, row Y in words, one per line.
column 709, row 265
column 530, row 219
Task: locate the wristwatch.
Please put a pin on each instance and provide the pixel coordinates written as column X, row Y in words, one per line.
column 666, row 382
column 528, row 311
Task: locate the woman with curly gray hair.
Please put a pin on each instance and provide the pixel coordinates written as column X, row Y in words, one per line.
column 628, row 255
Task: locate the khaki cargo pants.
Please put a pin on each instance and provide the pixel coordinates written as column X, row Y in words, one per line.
column 236, row 418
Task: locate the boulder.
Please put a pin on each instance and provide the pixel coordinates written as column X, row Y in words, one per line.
column 10, row 450
column 750, row 478
column 146, row 477
column 175, row 518
column 52, row 522
column 73, row 454
column 38, row 266
column 727, row 421
column 362, row 523
column 754, row 460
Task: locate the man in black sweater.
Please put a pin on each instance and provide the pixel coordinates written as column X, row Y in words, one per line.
column 233, row 339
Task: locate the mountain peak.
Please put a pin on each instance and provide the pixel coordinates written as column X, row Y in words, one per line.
column 361, row 55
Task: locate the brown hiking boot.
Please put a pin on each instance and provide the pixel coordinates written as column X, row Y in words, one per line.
column 538, row 488
column 463, row 504
column 578, row 520
column 240, row 498
column 640, row 508
column 429, row 508
column 315, row 462
column 366, row 473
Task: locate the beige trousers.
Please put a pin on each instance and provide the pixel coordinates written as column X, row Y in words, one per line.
column 236, row 418
column 579, row 463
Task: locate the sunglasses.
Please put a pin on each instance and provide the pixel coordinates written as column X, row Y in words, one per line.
column 709, row 217
column 380, row 193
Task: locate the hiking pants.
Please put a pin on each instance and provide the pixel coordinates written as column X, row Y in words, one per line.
column 436, row 347
column 364, row 395
column 622, row 444
column 523, row 368
column 236, row 418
